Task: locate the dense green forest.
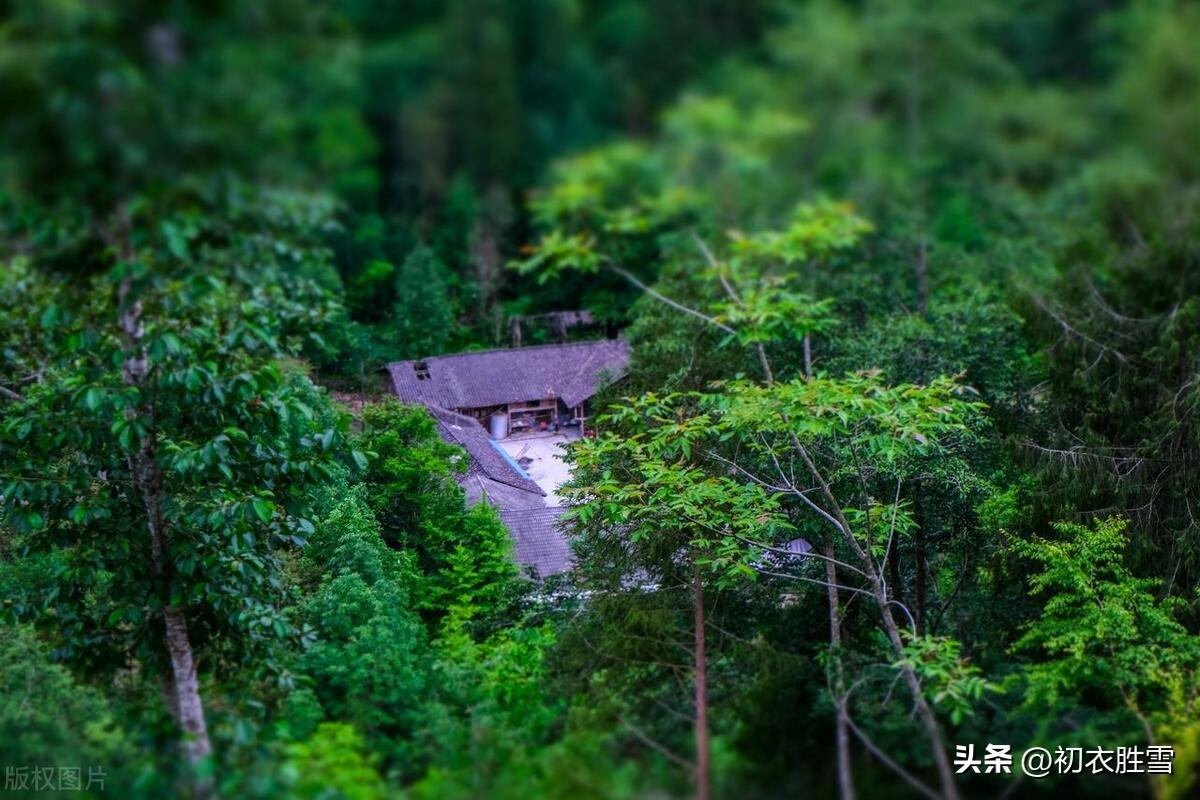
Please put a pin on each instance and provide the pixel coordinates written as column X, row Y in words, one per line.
column 905, row 464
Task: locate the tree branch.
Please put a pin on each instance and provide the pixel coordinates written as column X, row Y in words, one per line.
column 657, row 747
column 662, row 298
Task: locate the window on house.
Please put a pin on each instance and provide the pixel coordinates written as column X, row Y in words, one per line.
column 422, row 370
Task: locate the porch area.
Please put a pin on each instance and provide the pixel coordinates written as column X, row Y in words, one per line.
column 540, row 455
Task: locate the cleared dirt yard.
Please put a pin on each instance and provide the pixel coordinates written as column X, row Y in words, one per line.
column 545, row 465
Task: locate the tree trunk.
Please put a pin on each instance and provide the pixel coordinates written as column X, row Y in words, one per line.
column 933, row 731
column 490, row 224
column 841, row 730
column 181, row 689
column 702, row 746
column 922, row 278
column 808, row 356
column 929, row 723
column 845, row 776
column 894, row 578
column 186, row 688
column 921, row 579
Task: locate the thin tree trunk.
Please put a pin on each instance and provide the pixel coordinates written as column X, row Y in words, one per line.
column 845, row 775
column 921, row 579
column 182, row 690
column 196, row 746
column 808, row 355
column 702, row 745
column 929, row 723
column 493, row 218
column 362, row 385
column 181, row 687
column 933, row 731
column 894, row 577
column 922, row 278
column 921, row 590
column 812, row 290
column 841, row 733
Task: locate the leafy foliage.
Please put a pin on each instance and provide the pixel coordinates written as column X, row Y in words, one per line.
column 1102, row 632
column 903, row 283
column 956, row 685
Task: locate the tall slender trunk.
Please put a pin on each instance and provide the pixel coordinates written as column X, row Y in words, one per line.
column 186, row 688
column 493, row 219
column 841, row 729
column 894, row 577
column 922, row 269
column 808, row 356
column 702, row 745
column 933, row 731
column 181, row 688
column 922, row 578
column 812, row 289
column 875, row 578
column 362, row 385
column 845, row 776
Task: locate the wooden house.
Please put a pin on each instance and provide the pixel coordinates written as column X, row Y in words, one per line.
column 481, row 396
column 515, row 389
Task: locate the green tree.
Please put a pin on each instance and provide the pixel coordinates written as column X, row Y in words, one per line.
column 166, row 457
column 367, row 662
column 464, row 553
column 851, row 437
column 48, row 718
column 333, row 763
column 1105, row 642
column 423, row 319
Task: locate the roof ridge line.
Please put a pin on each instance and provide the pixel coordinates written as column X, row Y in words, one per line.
column 586, row 342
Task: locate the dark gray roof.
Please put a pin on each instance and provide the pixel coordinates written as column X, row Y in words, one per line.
column 538, row 540
column 480, row 487
column 495, row 377
column 488, row 463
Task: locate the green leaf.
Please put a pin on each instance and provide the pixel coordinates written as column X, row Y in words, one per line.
column 264, row 510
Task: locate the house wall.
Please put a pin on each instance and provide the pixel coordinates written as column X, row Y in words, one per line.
column 551, row 410
column 531, row 414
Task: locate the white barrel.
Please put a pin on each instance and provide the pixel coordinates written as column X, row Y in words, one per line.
column 499, row 425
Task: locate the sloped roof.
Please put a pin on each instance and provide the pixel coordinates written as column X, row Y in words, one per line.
column 482, row 378
column 538, row 541
column 480, row 488
column 487, row 461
